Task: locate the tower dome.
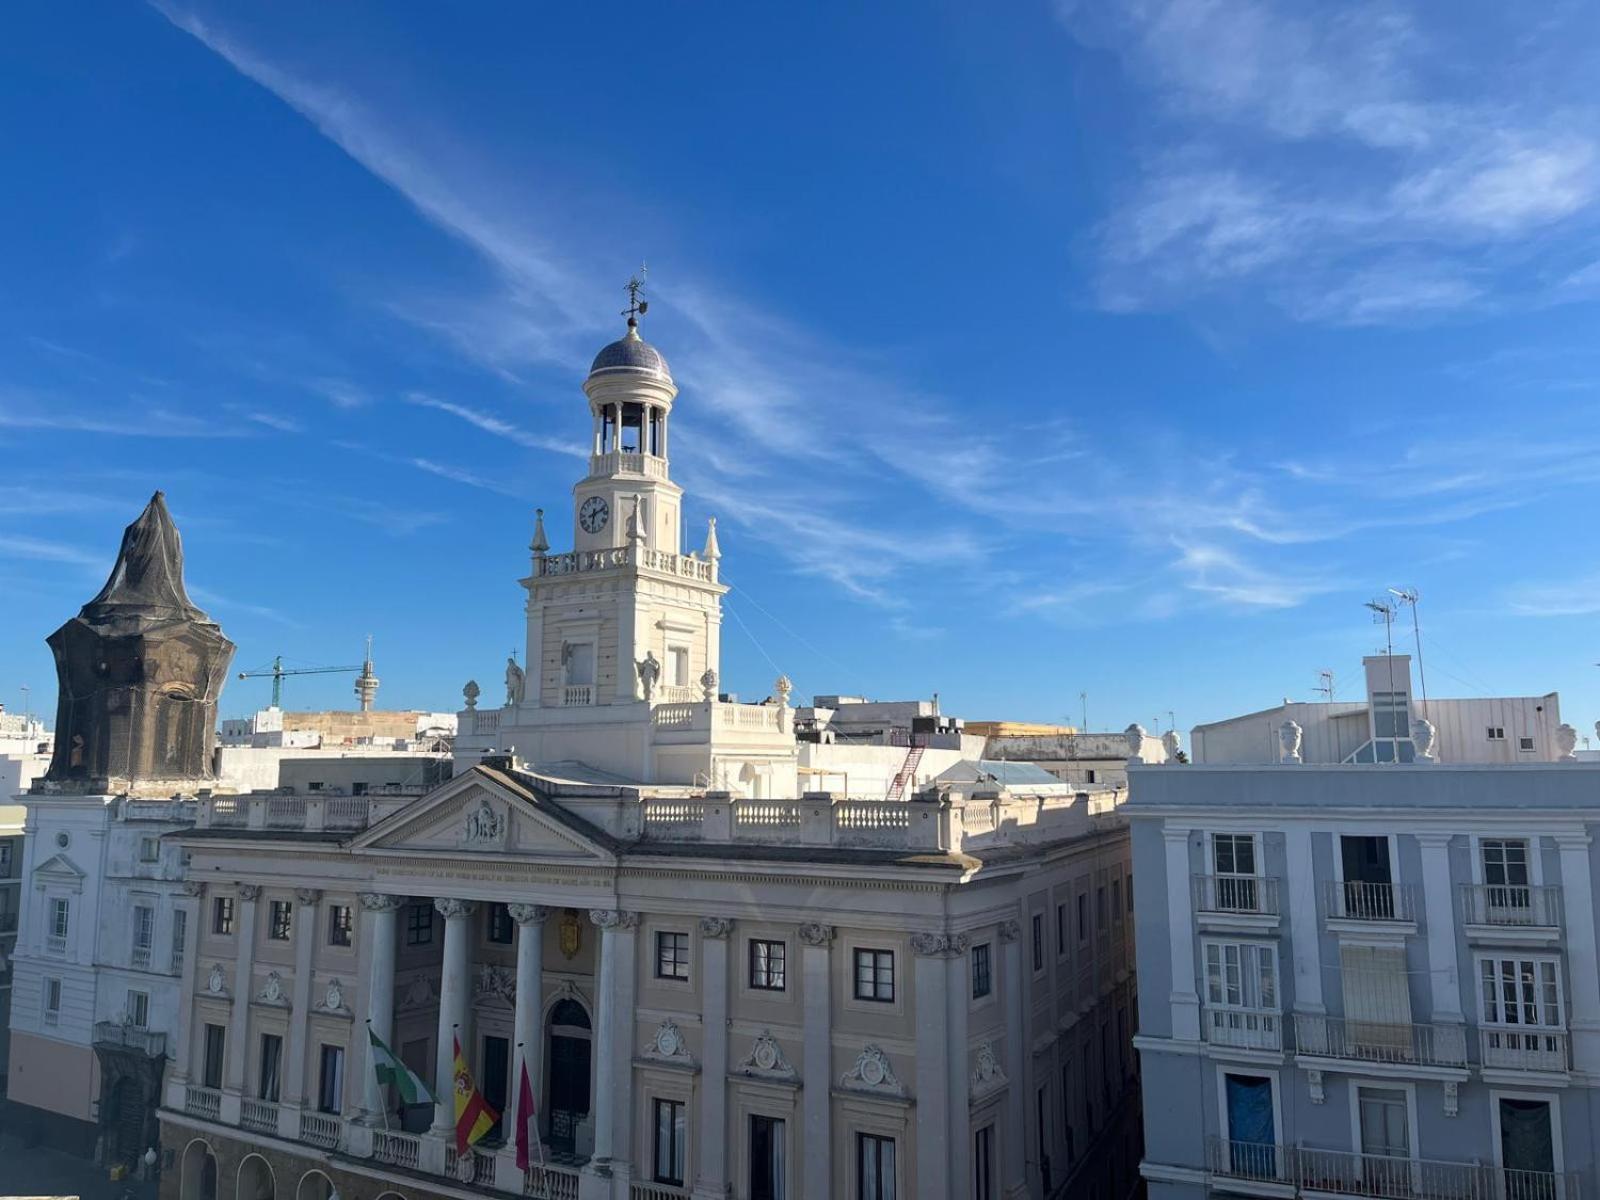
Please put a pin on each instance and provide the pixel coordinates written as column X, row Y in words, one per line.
column 630, row 353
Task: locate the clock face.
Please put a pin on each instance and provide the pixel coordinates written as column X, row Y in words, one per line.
column 594, row 514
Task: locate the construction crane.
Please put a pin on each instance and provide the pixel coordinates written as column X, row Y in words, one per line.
column 277, row 671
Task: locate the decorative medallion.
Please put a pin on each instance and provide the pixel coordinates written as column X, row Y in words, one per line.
column 333, row 998
column 813, row 933
column 418, row 993
column 668, row 1045
column 766, row 1059
column 217, row 980
column 873, row 1072
column 988, row 1076
column 272, row 990
column 715, row 927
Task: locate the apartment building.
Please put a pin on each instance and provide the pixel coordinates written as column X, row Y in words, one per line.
column 1372, row 980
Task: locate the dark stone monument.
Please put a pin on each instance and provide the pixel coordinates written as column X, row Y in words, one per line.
column 140, row 671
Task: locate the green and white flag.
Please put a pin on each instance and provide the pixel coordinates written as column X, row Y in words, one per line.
column 390, row 1069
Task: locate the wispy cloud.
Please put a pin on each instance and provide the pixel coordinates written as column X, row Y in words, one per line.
column 1574, row 598
column 149, row 422
column 222, row 605
column 490, row 423
column 45, row 550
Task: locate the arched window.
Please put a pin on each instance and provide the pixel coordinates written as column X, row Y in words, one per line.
column 570, row 1013
column 197, row 1172
column 256, row 1181
column 314, row 1185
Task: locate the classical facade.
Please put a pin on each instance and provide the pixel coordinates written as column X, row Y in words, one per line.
column 718, row 982
column 1368, row 980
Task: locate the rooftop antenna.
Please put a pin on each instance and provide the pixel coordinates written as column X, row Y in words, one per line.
column 1083, row 699
column 636, row 307
column 1409, row 596
column 27, row 710
column 1325, row 688
column 1383, row 611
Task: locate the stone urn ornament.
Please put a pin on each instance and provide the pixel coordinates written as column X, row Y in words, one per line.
column 1566, row 742
column 1423, row 736
column 1290, row 736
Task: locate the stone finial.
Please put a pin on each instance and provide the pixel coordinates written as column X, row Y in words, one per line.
column 1170, row 743
column 1289, row 738
column 540, row 544
column 1566, row 742
column 1423, row 736
column 471, row 693
column 781, row 689
column 1135, row 735
column 708, row 685
column 712, row 552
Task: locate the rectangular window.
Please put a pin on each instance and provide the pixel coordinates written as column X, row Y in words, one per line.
column 5, row 858
column 281, row 922
column 1040, row 1108
column 875, row 1167
column 1242, row 995
column 768, row 965
column 144, row 926
column 671, row 1141
column 500, row 926
column 982, row 981
column 1083, row 916
column 983, row 1164
column 1061, row 929
column 271, row 1061
column 1497, row 733
column 1130, row 893
column 1038, row 941
column 1100, row 909
column 216, row 1040
column 1390, row 715
column 52, row 1001
column 1233, row 861
column 678, row 665
column 1368, row 878
column 1385, row 1126
column 768, row 1175
column 330, row 1084
column 1116, row 901
column 60, row 918
column 672, row 955
column 222, row 916
column 1066, row 1113
column 180, row 936
column 419, row 925
column 137, row 1009
column 149, row 849
column 1525, row 745
column 341, row 925
column 875, row 975
column 1520, row 991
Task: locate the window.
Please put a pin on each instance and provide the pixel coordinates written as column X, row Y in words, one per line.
column 419, row 924
column 60, row 918
column 5, row 858
column 281, row 923
column 500, row 926
column 149, row 849
column 1100, row 909
column 1083, row 916
column 1525, row 745
column 1061, row 929
column 216, row 1040
column 1066, row 1112
column 678, row 665
column 314, row 785
column 767, row 965
column 1130, row 893
column 1390, row 717
column 875, row 975
column 768, row 1175
column 671, row 1140
column 1038, row 941
column 1040, row 1107
column 340, row 925
column 222, row 916
column 1497, row 733
column 358, row 787
column 144, row 927
column 875, row 1166
column 1233, row 859
column 330, row 1084
column 672, row 956
column 1116, row 901
column 1242, row 995
column 983, row 1164
column 180, row 935
column 982, row 982
column 1505, row 876
column 271, row 1060
column 1385, row 1122
column 1368, row 878
column 137, row 1009
column 52, row 1001
column 1521, row 998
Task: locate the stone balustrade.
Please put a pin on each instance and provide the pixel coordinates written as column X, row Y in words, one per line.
column 684, row 566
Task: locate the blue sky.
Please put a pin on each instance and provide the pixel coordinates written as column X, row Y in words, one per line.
column 1024, row 350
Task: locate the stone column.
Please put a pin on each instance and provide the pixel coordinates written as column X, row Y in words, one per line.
column 1298, row 894
column 1014, row 990
column 1438, row 906
column 378, row 936
column 612, row 1104
column 958, row 993
column 816, row 1061
column 528, row 1023
column 306, row 930
column 1180, row 932
column 934, row 1051
column 239, row 1020
column 191, row 904
column 1577, row 902
column 455, row 993
column 711, row 1124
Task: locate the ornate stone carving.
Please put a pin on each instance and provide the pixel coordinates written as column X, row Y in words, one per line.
column 1422, row 736
column 470, row 694
column 873, row 1072
column 715, row 927
column 569, row 934
column 939, row 945
column 272, row 990
column 516, row 681
column 483, row 825
column 454, row 910
column 379, row 903
column 333, row 999
column 194, row 887
column 814, row 933
column 1170, row 743
column 528, row 914
column 781, row 688
column 217, row 980
column 1314, row 1085
column 1566, row 742
column 307, row 895
column 1010, row 931
column 249, row 891
column 708, row 688
column 766, row 1059
column 649, row 669
column 614, row 918
column 1289, row 738
column 495, row 983
column 418, row 993
column 667, row 1045
column 988, row 1076
column 1135, row 738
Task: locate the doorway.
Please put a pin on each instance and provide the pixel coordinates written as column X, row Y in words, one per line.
column 570, row 1045
column 1527, row 1147
column 492, row 1079
column 766, row 1158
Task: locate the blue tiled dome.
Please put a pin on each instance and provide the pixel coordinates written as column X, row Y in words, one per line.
column 631, row 352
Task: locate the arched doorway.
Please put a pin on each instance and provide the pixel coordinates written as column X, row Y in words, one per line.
column 255, row 1179
column 314, row 1185
column 567, row 1102
column 197, row 1172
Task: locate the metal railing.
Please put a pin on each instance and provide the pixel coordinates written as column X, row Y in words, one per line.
column 55, row 944
column 320, row 1129
column 1236, row 894
column 260, row 1115
column 1509, row 1048
column 1244, row 1028
column 550, row 1183
column 1382, row 1177
column 1511, row 904
column 139, row 958
column 1379, row 1041
column 202, row 1102
column 397, row 1149
column 1356, row 900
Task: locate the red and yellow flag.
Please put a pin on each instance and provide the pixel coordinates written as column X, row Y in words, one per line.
column 474, row 1117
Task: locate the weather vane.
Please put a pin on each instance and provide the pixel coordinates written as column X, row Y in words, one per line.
column 636, row 307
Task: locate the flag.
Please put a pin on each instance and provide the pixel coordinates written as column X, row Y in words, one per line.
column 474, row 1117
column 391, row 1070
column 525, row 1116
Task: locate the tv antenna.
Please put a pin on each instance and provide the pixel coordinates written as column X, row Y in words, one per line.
column 1409, row 597
column 636, row 307
column 1325, row 688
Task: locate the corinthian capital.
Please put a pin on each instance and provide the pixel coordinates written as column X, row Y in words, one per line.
column 307, row 895
column 814, row 933
column 454, row 910
column 938, row 945
column 528, row 914
column 614, row 918
column 715, row 927
column 194, row 887
column 249, row 891
column 1010, row 931
column 379, row 903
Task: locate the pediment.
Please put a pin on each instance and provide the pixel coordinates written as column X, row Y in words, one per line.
column 61, row 868
column 476, row 815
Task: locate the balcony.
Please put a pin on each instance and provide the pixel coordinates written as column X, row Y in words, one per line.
column 1508, row 1048
column 151, row 1042
column 483, row 1166
column 396, row 1149
column 1236, row 901
column 320, row 1129
column 259, row 1115
column 577, row 694
column 1244, row 1028
column 56, row 944
column 139, row 958
column 1511, row 914
column 202, row 1102
column 639, row 1190
column 1347, row 1173
column 1379, row 1042
column 550, row 1183
column 1361, row 904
